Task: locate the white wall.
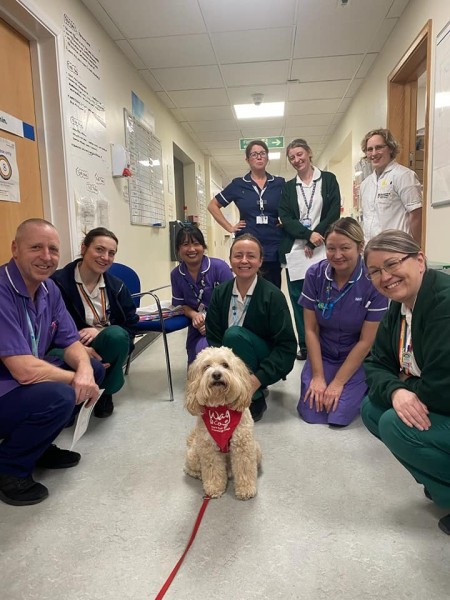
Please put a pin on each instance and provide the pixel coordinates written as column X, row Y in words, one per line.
column 144, row 248
column 369, row 108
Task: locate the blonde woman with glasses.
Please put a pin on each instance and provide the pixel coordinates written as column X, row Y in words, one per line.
column 408, row 374
column 257, row 196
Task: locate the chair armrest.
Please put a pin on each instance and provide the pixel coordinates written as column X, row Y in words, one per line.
column 157, row 300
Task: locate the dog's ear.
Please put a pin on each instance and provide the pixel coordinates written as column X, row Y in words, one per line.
column 242, row 373
column 192, row 385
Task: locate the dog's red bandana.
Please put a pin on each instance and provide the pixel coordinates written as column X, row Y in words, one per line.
column 221, row 421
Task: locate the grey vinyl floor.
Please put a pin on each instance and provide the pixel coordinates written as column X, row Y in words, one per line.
column 336, row 517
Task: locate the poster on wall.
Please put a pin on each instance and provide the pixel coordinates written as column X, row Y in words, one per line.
column 440, row 184
column 86, row 126
column 9, row 173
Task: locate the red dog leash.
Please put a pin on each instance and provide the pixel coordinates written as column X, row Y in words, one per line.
column 171, row 577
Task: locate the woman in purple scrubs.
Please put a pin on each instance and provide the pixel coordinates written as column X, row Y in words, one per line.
column 193, row 283
column 342, row 310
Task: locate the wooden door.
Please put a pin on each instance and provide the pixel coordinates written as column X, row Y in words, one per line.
column 17, row 99
column 402, row 108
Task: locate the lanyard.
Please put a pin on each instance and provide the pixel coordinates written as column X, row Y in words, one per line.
column 405, row 348
column 260, row 196
column 198, row 295
column 34, row 339
column 308, row 206
column 238, row 320
column 329, row 305
column 97, row 319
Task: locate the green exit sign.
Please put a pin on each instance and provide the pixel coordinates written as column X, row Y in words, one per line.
column 272, row 142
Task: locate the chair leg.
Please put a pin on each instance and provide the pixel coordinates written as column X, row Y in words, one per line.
column 169, row 370
column 127, row 367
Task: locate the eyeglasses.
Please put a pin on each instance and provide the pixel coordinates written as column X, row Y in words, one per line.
column 390, row 267
column 262, row 154
column 376, row 148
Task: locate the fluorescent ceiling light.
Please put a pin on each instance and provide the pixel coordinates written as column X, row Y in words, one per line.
column 274, row 155
column 253, row 111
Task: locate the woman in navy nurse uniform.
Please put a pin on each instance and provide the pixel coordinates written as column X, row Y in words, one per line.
column 257, row 196
column 342, row 311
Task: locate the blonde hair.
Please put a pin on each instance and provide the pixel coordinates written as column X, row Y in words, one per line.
column 392, row 240
column 349, row 227
column 388, row 138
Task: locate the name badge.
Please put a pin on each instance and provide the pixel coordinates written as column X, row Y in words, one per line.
column 406, row 361
column 306, row 223
column 262, row 220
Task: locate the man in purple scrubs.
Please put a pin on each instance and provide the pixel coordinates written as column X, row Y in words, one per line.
column 37, row 397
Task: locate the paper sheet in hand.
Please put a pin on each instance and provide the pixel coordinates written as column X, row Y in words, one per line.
column 83, row 421
column 297, row 263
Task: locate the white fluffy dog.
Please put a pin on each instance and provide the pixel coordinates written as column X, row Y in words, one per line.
column 219, row 393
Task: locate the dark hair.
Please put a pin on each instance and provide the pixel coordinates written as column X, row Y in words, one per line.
column 349, row 227
column 90, row 236
column 250, row 238
column 249, row 147
column 388, row 138
column 189, row 233
column 299, row 143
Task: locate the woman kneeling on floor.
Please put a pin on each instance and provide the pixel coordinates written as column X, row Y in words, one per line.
column 342, row 310
column 102, row 308
column 408, row 406
column 250, row 315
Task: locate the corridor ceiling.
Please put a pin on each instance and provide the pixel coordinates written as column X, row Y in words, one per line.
column 201, row 57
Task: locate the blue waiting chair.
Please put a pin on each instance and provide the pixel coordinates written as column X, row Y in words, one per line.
column 164, row 326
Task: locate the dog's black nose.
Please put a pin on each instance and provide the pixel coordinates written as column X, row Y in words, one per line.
column 216, row 375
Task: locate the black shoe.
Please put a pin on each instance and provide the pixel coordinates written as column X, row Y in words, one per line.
column 302, row 353
column 55, row 458
column 104, row 406
column 427, row 493
column 444, row 524
column 21, row 491
column 258, row 408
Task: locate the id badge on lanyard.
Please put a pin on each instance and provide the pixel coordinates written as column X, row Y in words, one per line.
column 261, row 219
column 306, row 222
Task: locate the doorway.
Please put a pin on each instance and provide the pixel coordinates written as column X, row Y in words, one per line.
column 409, row 106
column 17, row 99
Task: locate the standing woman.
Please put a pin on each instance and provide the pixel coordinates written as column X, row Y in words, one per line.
column 342, row 311
column 257, row 196
column 250, row 316
column 408, row 406
column 102, row 308
column 193, row 282
column 309, row 204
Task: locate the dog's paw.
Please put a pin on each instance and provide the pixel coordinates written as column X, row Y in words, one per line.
column 213, row 491
column 192, row 473
column 245, row 493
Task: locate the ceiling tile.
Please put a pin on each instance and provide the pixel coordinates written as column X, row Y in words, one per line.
column 175, row 51
column 235, row 15
column 311, row 120
column 256, row 73
column 272, row 93
column 102, row 17
column 382, row 35
column 189, row 78
column 141, row 19
column 199, row 98
column 327, row 68
column 208, row 113
column 318, row 89
column 225, row 125
column 214, row 136
column 165, row 99
column 249, row 46
column 312, row 107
